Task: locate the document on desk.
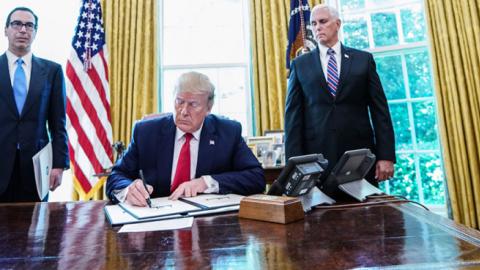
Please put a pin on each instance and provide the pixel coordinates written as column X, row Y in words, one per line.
column 161, row 225
column 210, row 201
column 116, row 215
column 42, row 166
column 160, row 207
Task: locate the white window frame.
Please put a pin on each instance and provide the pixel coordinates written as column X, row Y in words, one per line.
column 401, row 50
column 246, row 66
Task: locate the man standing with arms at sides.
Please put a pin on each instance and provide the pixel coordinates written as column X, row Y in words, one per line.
column 335, row 101
column 187, row 153
column 32, row 111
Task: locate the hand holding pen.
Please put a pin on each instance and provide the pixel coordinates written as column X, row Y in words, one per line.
column 149, row 202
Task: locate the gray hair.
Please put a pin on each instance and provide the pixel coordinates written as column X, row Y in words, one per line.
column 331, row 10
column 195, row 82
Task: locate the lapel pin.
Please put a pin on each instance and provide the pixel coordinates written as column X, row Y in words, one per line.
column 346, row 56
column 212, row 142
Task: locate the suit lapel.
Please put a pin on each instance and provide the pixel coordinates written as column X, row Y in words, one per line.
column 317, row 66
column 6, row 90
column 37, row 79
column 206, row 148
column 165, row 144
column 344, row 68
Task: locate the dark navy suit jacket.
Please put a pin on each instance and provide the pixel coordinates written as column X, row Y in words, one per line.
column 45, row 104
column 358, row 117
column 222, row 154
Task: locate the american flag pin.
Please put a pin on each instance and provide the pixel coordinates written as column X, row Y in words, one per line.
column 212, row 142
column 346, row 56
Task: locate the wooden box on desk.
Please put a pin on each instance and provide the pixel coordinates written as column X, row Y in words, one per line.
column 279, row 209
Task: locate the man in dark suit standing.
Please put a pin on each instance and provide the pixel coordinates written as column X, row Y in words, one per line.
column 189, row 152
column 32, row 97
column 335, row 101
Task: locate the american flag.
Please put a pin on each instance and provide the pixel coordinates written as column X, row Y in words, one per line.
column 88, row 101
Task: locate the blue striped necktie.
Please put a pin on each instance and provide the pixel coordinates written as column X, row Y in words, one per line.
column 19, row 86
column 332, row 73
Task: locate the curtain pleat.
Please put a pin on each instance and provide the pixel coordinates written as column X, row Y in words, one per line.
column 131, row 29
column 269, row 29
column 455, row 34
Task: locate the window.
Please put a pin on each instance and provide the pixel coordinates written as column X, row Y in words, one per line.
column 208, row 36
column 395, row 32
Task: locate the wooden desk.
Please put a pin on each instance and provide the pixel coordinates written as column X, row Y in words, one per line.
column 77, row 236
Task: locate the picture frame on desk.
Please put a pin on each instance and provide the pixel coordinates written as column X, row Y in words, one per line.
column 261, row 145
column 277, row 134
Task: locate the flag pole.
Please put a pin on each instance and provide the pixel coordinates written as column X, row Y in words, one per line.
column 302, row 24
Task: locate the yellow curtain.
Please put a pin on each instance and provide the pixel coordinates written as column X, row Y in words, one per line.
column 269, row 28
column 455, row 35
column 131, row 32
column 131, row 29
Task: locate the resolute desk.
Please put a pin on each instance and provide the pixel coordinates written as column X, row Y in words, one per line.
column 76, row 235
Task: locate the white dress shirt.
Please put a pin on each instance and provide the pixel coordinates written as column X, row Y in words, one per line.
column 27, row 66
column 212, row 184
column 324, row 57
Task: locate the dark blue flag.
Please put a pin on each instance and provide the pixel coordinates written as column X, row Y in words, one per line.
column 300, row 35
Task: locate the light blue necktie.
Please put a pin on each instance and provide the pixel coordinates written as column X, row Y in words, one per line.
column 19, row 86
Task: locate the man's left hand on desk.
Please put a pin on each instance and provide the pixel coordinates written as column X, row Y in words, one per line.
column 189, row 189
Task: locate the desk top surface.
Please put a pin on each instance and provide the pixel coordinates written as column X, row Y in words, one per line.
column 78, row 236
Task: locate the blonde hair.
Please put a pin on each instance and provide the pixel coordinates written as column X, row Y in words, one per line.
column 195, row 82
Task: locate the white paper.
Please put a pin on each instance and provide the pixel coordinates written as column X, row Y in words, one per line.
column 162, row 225
column 117, row 215
column 216, row 200
column 42, row 166
column 160, row 207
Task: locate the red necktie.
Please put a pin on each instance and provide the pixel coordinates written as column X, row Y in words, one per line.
column 182, row 174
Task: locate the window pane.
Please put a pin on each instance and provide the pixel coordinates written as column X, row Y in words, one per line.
column 230, row 92
column 346, row 5
column 389, row 69
column 425, row 125
column 385, row 31
column 203, row 31
column 401, row 126
column 433, row 181
column 403, row 182
column 413, row 23
column 355, row 33
column 419, row 75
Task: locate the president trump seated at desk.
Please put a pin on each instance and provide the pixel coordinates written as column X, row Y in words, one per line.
column 186, row 153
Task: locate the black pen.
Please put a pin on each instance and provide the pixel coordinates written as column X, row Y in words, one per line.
column 145, row 185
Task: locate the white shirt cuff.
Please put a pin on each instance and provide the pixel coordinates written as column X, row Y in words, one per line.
column 212, row 184
column 121, row 194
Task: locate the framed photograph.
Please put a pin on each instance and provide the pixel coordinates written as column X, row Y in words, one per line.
column 278, row 135
column 279, row 149
column 262, row 145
